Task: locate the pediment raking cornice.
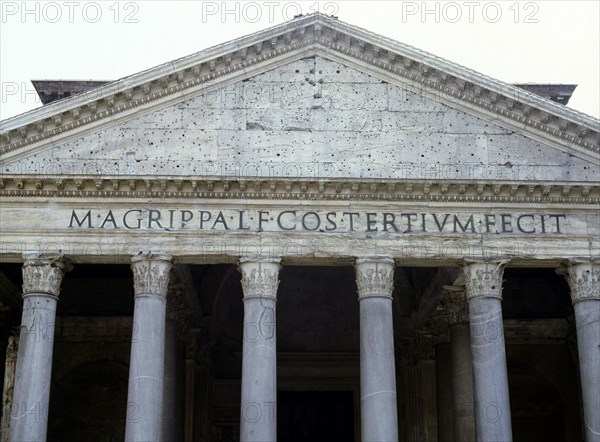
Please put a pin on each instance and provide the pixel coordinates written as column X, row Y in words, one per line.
column 314, row 34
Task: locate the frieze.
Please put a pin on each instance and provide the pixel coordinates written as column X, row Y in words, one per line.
column 317, row 221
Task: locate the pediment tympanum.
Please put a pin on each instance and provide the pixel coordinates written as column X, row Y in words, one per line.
column 294, row 129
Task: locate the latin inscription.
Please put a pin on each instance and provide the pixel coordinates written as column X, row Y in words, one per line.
column 293, row 220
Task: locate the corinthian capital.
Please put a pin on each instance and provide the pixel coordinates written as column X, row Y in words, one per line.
column 375, row 277
column 484, row 278
column 42, row 274
column 454, row 303
column 583, row 277
column 260, row 277
column 151, row 273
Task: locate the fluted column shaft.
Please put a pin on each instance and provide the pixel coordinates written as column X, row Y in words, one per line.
column 260, row 280
column 375, row 281
column 490, row 379
column 146, row 367
column 584, row 280
column 42, row 277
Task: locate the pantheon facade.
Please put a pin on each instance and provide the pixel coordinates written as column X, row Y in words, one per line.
column 312, row 233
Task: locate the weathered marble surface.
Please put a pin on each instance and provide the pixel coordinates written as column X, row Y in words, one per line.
column 146, row 368
column 584, row 281
column 490, row 375
column 310, row 118
column 42, row 277
column 258, row 419
column 378, row 402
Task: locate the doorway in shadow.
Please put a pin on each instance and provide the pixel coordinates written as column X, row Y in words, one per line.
column 317, row 416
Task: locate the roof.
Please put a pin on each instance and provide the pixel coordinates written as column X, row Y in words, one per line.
column 53, row 90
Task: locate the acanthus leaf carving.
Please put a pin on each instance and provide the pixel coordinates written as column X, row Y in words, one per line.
column 584, row 280
column 455, row 306
column 484, row 278
column 43, row 274
column 260, row 278
column 151, row 274
column 375, row 277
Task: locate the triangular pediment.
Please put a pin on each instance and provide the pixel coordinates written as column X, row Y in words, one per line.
column 313, row 99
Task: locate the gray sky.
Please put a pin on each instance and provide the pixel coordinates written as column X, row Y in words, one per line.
column 513, row 41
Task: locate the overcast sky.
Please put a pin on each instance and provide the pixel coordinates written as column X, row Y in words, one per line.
column 515, row 42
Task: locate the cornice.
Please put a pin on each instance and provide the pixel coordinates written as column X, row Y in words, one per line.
column 428, row 74
column 269, row 189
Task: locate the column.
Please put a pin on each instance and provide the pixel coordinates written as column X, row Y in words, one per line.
column 191, row 347
column 490, row 380
column 443, row 386
column 170, row 382
column 411, row 420
column 258, row 420
column 170, row 370
column 146, row 366
column 426, row 338
column 457, row 313
column 584, row 280
column 42, row 276
column 428, row 399
column 375, row 281
column 10, row 365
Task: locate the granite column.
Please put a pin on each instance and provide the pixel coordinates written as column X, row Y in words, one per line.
column 378, row 403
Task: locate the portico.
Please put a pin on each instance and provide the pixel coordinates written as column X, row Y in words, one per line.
column 260, row 278
column 414, row 256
